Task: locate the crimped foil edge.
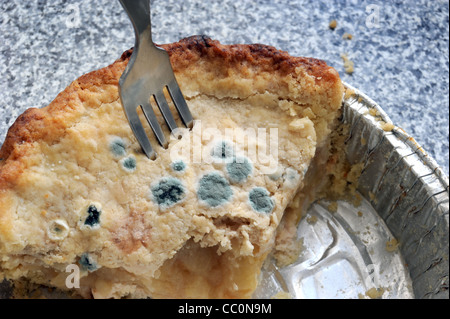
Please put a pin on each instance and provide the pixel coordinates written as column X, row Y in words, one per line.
column 406, row 187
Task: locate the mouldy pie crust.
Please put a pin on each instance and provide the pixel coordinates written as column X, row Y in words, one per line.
column 75, row 188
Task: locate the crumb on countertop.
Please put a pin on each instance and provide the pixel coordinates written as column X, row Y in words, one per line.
column 347, row 36
column 349, row 66
column 333, row 24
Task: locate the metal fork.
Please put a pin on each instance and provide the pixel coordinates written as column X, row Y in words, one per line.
column 147, row 74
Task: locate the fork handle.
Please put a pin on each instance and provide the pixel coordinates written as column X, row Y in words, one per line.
column 139, row 13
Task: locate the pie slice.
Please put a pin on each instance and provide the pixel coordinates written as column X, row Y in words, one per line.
column 77, row 193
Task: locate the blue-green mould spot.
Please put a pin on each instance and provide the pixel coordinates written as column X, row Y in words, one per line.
column 87, row 262
column 168, row 191
column 239, row 169
column 222, row 150
column 214, row 190
column 292, row 174
column 179, row 166
column 118, row 147
column 291, row 178
column 260, row 200
column 276, row 175
column 128, row 163
column 93, row 218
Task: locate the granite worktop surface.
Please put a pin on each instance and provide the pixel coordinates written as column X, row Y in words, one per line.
column 400, row 49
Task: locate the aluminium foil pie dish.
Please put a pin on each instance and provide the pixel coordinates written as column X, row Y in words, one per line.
column 77, row 191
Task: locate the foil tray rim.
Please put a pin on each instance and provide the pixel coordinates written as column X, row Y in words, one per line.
column 405, row 137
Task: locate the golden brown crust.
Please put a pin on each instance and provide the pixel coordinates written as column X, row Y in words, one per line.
column 265, row 58
column 49, row 123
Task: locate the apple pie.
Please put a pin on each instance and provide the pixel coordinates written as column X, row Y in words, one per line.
column 197, row 222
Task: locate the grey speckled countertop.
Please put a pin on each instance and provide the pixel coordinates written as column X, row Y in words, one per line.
column 400, row 48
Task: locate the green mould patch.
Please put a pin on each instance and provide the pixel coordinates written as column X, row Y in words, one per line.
column 260, row 200
column 168, row 191
column 179, row 166
column 117, row 146
column 291, row 178
column 129, row 163
column 87, row 263
column 214, row 190
column 93, row 218
column 239, row 169
column 222, row 150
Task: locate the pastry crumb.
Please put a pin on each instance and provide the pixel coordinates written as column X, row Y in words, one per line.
column 375, row 293
column 363, row 141
column 349, row 65
column 282, row 295
column 374, row 112
column 392, row 245
column 387, row 127
column 347, row 36
column 311, row 220
column 333, row 24
column 372, row 196
column 348, row 93
column 333, row 207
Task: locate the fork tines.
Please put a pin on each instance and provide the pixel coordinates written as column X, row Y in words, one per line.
column 147, row 109
column 146, row 76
